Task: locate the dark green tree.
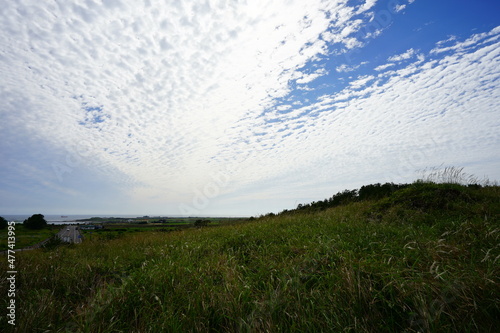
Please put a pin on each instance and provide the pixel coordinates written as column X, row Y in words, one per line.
column 36, row 221
column 201, row 223
column 3, row 223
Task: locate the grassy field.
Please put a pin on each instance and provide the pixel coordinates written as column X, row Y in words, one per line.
column 424, row 259
column 27, row 237
column 118, row 230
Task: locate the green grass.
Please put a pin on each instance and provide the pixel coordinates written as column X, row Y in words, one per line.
column 425, row 259
column 26, row 237
column 115, row 230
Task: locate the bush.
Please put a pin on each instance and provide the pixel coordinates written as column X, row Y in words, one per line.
column 3, row 223
column 429, row 196
column 52, row 243
column 201, row 223
column 36, row 221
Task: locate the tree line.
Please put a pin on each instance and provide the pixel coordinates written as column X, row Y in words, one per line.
column 366, row 192
column 35, row 221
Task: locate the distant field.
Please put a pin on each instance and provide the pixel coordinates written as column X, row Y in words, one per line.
column 426, row 258
column 119, row 229
column 27, row 237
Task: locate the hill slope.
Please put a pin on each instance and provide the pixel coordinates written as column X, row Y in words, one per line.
column 424, row 258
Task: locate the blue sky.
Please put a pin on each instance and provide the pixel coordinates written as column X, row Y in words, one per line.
column 239, row 107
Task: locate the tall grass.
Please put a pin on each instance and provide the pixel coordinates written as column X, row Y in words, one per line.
column 394, row 265
column 453, row 175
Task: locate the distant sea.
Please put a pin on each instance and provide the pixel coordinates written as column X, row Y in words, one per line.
column 63, row 219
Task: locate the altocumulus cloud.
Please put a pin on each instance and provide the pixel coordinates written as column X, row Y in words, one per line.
column 160, row 102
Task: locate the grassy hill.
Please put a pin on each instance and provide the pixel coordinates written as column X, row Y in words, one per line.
column 419, row 258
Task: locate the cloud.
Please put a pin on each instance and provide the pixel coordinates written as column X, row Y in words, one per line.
column 155, row 92
column 403, row 56
column 383, row 67
column 399, row 8
column 344, row 68
column 369, row 4
column 400, row 120
column 306, row 78
column 476, row 40
column 154, row 100
column 362, row 81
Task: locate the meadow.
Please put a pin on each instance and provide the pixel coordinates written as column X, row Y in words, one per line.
column 27, row 237
column 424, row 258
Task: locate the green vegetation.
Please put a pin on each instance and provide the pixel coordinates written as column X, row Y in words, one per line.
column 420, row 258
column 147, row 219
column 36, row 221
column 54, row 242
column 3, row 223
column 368, row 192
column 114, row 230
column 27, row 237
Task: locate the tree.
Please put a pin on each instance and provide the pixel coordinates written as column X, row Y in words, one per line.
column 201, row 223
column 3, row 223
column 36, row 221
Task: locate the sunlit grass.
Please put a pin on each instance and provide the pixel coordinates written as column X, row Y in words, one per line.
column 393, row 265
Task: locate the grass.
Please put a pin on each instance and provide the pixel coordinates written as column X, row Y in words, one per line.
column 26, row 237
column 453, row 175
column 425, row 259
column 117, row 230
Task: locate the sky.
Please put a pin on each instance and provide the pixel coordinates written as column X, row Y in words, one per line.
column 239, row 107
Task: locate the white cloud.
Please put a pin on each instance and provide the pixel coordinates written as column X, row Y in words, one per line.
column 361, row 82
column 345, row 68
column 306, row 78
column 383, row 67
column 399, row 8
column 153, row 92
column 158, row 99
column 450, row 39
column 369, row 4
column 476, row 40
column 417, row 116
column 403, row 56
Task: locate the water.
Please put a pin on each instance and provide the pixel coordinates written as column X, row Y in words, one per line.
column 62, row 219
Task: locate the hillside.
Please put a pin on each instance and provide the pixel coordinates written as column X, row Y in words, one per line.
column 419, row 258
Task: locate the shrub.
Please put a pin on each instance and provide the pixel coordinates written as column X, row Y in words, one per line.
column 3, row 223
column 36, row 221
